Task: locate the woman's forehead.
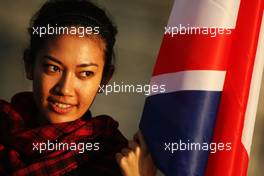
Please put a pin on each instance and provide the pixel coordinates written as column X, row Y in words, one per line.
column 75, row 50
column 75, row 40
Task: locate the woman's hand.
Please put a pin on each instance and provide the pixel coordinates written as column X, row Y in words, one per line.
column 136, row 160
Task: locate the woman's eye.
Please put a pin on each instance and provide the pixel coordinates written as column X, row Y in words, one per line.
column 52, row 68
column 86, row 74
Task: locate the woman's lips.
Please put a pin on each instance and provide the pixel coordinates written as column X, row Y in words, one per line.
column 61, row 108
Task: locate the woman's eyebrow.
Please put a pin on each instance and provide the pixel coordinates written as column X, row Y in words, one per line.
column 87, row 65
column 60, row 63
column 53, row 59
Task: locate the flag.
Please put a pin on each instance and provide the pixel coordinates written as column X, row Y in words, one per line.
column 238, row 106
column 200, row 65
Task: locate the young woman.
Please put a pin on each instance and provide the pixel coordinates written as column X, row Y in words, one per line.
column 50, row 131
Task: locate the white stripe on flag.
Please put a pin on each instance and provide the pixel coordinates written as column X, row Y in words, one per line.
column 223, row 13
column 253, row 97
column 206, row 80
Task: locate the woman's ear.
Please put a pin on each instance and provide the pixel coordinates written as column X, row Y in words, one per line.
column 28, row 64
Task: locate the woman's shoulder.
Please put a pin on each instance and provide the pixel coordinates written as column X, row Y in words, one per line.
column 6, row 109
column 19, row 108
column 18, row 101
column 105, row 122
column 107, row 127
column 5, row 106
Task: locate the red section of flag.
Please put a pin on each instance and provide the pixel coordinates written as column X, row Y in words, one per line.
column 230, row 119
column 193, row 52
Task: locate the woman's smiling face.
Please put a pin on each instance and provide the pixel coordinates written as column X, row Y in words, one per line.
column 66, row 76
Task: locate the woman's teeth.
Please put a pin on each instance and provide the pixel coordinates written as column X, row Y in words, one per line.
column 61, row 105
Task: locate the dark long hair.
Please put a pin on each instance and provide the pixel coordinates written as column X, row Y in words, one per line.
column 66, row 13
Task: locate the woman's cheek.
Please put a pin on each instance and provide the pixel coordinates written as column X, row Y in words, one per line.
column 87, row 91
column 48, row 82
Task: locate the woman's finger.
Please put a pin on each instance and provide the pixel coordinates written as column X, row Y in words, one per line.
column 125, row 151
column 132, row 145
column 118, row 157
column 141, row 140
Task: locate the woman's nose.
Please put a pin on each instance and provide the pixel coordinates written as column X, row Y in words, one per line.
column 65, row 86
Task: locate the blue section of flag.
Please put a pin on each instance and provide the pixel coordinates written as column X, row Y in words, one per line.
column 180, row 117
